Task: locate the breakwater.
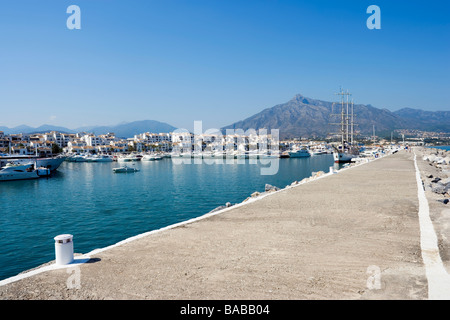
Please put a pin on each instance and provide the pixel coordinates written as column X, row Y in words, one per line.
column 311, row 240
column 101, row 208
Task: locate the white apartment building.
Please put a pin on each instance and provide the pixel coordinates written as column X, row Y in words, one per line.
column 93, row 141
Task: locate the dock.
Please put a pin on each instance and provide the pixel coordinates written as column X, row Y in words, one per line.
column 355, row 234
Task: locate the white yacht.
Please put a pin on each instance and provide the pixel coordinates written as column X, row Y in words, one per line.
column 18, row 172
column 151, row 157
column 130, row 157
column 319, row 150
column 51, row 163
column 77, row 158
column 299, row 153
column 100, row 158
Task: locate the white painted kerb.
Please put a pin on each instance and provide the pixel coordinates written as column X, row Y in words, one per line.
column 437, row 276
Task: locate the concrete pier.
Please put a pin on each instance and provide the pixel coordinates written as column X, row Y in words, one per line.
column 350, row 235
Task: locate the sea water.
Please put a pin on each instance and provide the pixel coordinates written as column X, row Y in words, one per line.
column 442, row 147
column 100, row 208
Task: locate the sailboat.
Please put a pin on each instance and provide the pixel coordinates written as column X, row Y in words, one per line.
column 346, row 151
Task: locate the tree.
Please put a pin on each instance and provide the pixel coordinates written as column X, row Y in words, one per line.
column 56, row 149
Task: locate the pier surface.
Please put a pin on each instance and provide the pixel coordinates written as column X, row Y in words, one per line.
column 350, row 235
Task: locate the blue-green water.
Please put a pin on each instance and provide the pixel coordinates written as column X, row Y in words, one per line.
column 101, row 208
column 442, row 147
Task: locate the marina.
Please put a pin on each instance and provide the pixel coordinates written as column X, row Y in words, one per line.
column 88, row 200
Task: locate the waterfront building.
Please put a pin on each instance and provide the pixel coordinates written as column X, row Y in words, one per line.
column 76, row 146
column 92, row 140
column 108, row 138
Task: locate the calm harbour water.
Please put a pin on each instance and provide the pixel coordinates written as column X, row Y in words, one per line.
column 442, row 147
column 101, row 208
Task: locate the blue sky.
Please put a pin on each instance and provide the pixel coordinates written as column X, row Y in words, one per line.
column 178, row 61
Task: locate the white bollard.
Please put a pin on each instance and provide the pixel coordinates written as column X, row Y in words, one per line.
column 331, row 169
column 63, row 249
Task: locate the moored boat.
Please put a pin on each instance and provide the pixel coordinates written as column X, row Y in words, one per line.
column 299, row 153
column 100, row 158
column 343, row 156
column 18, row 172
column 51, row 163
column 125, row 169
column 128, row 158
column 151, row 157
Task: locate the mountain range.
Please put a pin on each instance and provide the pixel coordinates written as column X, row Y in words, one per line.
column 123, row 130
column 305, row 117
column 299, row 117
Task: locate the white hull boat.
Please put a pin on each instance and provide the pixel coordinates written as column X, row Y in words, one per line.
column 151, row 157
column 18, row 172
column 100, row 158
column 49, row 163
column 301, row 153
column 342, row 157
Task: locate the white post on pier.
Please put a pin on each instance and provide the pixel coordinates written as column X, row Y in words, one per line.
column 64, row 249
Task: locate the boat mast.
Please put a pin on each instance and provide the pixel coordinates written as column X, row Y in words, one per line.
column 345, row 117
column 342, row 118
column 346, row 123
column 352, row 124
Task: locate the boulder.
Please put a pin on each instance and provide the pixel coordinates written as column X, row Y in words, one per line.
column 445, row 181
column 439, row 188
column 270, row 187
column 255, row 194
column 320, row 173
column 305, row 180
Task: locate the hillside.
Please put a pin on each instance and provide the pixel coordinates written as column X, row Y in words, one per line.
column 306, row 117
